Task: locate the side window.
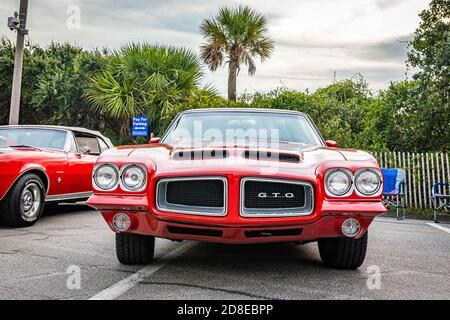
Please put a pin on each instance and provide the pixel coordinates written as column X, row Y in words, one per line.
column 72, row 143
column 90, row 143
column 103, row 145
column 3, row 142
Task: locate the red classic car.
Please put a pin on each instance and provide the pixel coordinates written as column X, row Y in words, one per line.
column 44, row 164
column 239, row 176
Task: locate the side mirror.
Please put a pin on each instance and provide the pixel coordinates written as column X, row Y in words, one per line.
column 85, row 150
column 155, row 140
column 331, row 143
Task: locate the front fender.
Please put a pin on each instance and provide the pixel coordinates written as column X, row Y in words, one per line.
column 11, row 172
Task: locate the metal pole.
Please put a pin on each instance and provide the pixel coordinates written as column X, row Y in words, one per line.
column 18, row 61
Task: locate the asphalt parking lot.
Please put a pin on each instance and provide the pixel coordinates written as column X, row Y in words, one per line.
column 413, row 259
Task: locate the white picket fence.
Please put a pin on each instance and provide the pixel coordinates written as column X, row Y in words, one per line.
column 422, row 171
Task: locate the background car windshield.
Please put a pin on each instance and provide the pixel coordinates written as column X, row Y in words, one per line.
column 39, row 138
column 248, row 126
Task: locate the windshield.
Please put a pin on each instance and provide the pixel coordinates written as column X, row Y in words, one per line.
column 237, row 126
column 38, row 138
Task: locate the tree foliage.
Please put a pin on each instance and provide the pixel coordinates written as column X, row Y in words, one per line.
column 66, row 85
column 430, row 52
column 144, row 79
column 235, row 36
column 53, row 85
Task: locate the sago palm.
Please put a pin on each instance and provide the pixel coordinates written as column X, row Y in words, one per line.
column 235, row 36
column 144, row 79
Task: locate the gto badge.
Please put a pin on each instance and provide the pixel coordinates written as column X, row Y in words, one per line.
column 275, row 195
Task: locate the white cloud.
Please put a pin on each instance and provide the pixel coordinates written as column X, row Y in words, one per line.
column 313, row 38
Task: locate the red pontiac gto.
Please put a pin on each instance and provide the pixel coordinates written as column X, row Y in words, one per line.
column 239, row 176
column 44, row 164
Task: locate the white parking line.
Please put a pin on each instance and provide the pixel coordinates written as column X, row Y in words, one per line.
column 434, row 225
column 116, row 290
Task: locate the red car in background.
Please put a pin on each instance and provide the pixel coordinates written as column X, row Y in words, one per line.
column 44, row 164
column 239, row 176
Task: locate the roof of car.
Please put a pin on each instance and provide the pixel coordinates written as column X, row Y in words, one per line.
column 78, row 129
column 84, row 130
column 259, row 110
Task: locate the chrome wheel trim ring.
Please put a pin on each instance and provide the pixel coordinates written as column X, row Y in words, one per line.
column 30, row 201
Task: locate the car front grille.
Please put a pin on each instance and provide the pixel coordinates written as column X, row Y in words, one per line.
column 259, row 197
column 273, row 197
column 192, row 195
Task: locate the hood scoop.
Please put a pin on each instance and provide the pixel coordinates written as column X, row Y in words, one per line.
column 272, row 156
column 200, row 154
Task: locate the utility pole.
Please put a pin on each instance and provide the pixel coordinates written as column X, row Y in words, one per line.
column 19, row 24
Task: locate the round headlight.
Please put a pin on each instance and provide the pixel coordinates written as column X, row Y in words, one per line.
column 134, row 178
column 338, row 182
column 106, row 177
column 367, row 182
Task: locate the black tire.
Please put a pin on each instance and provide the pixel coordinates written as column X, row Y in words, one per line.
column 134, row 248
column 12, row 212
column 343, row 253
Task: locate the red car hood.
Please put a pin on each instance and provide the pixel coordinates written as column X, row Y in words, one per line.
column 176, row 160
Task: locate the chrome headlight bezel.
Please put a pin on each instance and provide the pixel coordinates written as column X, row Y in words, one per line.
column 358, row 188
column 95, row 170
column 142, row 186
column 348, row 190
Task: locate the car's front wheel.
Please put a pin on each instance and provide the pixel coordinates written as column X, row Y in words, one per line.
column 24, row 203
column 343, row 253
column 134, row 248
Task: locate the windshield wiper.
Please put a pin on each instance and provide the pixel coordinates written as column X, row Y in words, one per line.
column 24, row 146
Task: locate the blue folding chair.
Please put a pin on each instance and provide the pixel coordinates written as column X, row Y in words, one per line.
column 440, row 198
column 394, row 190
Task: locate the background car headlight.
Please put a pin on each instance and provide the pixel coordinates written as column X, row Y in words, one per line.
column 368, row 182
column 134, row 177
column 106, row 177
column 338, row 182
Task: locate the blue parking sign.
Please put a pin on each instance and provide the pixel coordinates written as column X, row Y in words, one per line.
column 139, row 127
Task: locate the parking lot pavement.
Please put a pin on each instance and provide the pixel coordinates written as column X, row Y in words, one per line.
column 413, row 259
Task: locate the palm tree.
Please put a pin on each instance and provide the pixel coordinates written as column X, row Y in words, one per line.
column 237, row 36
column 144, row 79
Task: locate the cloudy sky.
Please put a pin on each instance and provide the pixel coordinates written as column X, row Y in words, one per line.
column 314, row 38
